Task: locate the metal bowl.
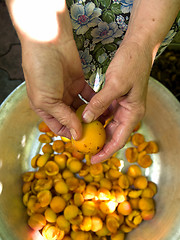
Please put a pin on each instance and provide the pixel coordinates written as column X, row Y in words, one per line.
column 19, row 143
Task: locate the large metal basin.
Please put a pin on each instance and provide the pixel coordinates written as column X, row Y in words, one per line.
column 19, row 143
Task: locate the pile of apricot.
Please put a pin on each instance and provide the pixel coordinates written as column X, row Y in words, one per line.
column 68, row 198
column 141, row 149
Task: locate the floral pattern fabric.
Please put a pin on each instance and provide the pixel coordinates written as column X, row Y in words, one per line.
column 99, row 27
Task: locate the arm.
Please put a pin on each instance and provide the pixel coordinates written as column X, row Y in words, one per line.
column 51, row 63
column 127, row 76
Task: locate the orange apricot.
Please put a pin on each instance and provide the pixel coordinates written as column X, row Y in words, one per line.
column 140, row 182
column 44, row 138
column 93, row 138
column 144, row 160
column 147, row 214
column 152, row 147
column 43, row 127
column 131, row 154
column 47, row 148
column 146, row 204
column 37, row 221
column 137, row 139
column 57, row 204
column 58, row 146
column 134, row 171
column 123, row 181
column 124, row 208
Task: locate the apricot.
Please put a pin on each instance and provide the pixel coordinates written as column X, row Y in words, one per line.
column 148, row 193
column 146, row 204
column 147, row 214
column 131, row 154
column 77, row 154
column 134, row 171
column 72, row 183
column 28, row 176
column 60, row 159
column 50, row 215
column 124, row 208
column 78, row 199
column 58, row 146
column 67, row 174
column 44, row 198
column 103, row 231
column 51, row 168
column 108, row 207
column 57, row 204
column 118, row 236
column 86, row 224
column 63, row 223
column 37, row 221
column 153, row 186
column 75, row 165
column 144, row 160
column 93, row 138
column 71, row 211
column 112, row 222
column 140, row 182
column 43, row 127
column 89, row 208
column 52, row 232
column 134, row 203
column 97, row 223
column 44, row 138
column 105, row 183
column 61, row 187
column 123, row 181
column 96, row 169
column 137, row 139
column 142, row 146
column 47, row 148
column 152, row 147
column 41, row 161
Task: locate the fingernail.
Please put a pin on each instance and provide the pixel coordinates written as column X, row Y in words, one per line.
column 88, row 116
column 73, row 133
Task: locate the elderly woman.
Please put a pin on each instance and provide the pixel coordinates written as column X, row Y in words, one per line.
column 99, row 50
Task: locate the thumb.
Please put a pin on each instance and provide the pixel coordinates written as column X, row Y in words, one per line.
column 99, row 103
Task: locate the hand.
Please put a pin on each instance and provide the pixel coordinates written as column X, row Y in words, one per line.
column 54, row 78
column 124, row 94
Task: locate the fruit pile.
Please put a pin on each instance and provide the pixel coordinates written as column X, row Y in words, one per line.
column 68, row 198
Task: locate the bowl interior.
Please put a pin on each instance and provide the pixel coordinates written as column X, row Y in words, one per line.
column 19, row 143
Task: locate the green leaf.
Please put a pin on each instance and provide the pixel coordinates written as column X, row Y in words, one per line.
column 110, row 47
column 99, row 52
column 105, row 3
column 88, row 34
column 96, row 3
column 69, row 3
column 79, row 41
column 116, row 8
column 105, row 66
column 108, row 16
column 97, row 47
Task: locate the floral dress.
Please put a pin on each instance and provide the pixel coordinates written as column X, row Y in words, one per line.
column 99, row 27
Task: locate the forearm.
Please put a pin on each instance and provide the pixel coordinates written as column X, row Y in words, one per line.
column 41, row 20
column 150, row 22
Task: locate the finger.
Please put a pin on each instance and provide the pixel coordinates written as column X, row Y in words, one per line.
column 118, row 131
column 87, row 93
column 99, row 103
column 65, row 118
column 55, row 126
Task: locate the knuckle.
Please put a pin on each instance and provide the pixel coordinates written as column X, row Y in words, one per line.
column 98, row 103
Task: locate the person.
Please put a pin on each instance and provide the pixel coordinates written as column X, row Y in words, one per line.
column 117, row 40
